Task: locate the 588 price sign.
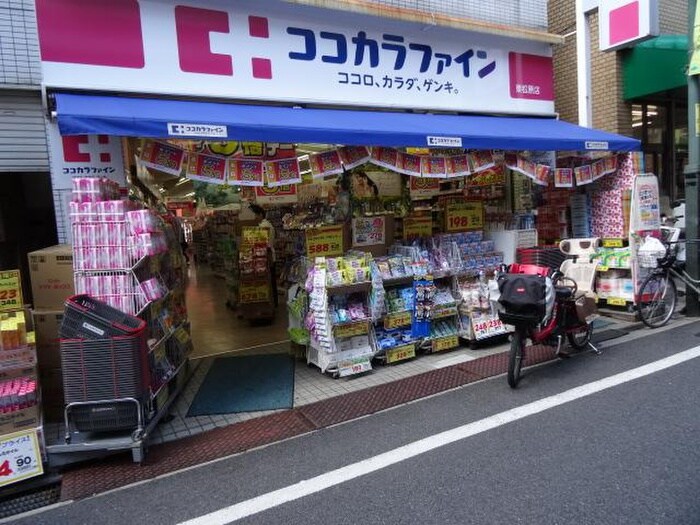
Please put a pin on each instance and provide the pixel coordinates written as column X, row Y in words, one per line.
column 10, row 290
column 19, row 457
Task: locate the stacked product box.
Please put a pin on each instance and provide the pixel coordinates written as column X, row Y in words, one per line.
column 580, row 215
column 552, row 222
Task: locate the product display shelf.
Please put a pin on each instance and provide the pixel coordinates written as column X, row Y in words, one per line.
column 615, row 276
column 400, row 350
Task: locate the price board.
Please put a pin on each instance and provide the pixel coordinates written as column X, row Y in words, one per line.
column 445, row 343
column 351, row 329
column 397, row 319
column 616, row 301
column 612, row 243
column 400, row 353
column 253, row 235
column 354, row 366
column 445, row 310
column 464, row 216
column 254, row 292
column 486, row 327
column 417, row 227
column 10, row 290
column 324, row 242
column 20, row 457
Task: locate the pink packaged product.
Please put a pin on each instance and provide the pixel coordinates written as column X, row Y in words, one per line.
column 16, row 394
column 94, row 189
column 148, row 244
column 112, row 211
column 153, row 289
column 143, row 221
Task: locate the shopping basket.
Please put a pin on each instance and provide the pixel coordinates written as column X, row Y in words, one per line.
column 87, row 318
column 650, row 259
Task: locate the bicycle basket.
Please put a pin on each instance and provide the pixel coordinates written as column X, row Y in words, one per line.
column 650, row 259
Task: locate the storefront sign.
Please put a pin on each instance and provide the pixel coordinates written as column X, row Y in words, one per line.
column 324, row 242
column 423, row 188
column 368, row 231
column 417, row 227
column 445, row 343
column 464, row 216
column 162, row 157
column 400, row 353
column 277, row 195
column 487, row 326
column 20, row 457
column 10, row 290
column 206, row 168
column 250, row 50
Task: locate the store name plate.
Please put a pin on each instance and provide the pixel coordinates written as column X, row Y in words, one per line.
column 178, row 129
column 355, row 366
column 400, row 353
column 445, row 142
column 445, row 343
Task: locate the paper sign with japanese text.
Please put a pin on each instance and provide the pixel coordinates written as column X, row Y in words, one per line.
column 326, row 163
column 20, row 457
column 206, row 168
column 464, row 216
column 162, row 157
column 246, row 172
column 277, row 195
column 283, row 172
column 324, row 242
column 368, row 231
column 353, row 156
column 417, row 227
column 10, row 290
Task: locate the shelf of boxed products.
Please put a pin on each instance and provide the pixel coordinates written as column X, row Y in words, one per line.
column 614, row 282
column 479, row 318
column 20, row 398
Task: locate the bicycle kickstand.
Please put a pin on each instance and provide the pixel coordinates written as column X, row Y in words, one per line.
column 594, row 349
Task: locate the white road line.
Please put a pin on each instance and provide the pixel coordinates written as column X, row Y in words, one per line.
column 319, row 483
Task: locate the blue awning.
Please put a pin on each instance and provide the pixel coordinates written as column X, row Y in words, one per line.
column 160, row 118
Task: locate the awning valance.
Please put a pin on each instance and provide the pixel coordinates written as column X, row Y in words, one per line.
column 164, row 118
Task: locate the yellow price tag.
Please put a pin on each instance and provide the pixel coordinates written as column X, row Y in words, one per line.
column 324, row 242
column 612, row 243
column 464, row 216
column 417, row 227
column 400, row 353
column 444, row 311
column 396, row 320
column 445, row 343
column 10, row 290
column 351, row 330
column 255, row 235
column 602, row 268
column 616, row 301
column 256, row 292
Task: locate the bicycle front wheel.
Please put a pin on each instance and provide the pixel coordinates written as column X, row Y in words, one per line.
column 657, row 300
column 515, row 357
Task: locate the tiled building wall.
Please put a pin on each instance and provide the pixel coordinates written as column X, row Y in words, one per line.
column 610, row 112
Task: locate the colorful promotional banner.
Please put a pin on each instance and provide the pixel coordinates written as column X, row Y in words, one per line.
column 481, row 160
column 368, row 231
column 598, row 169
column 421, row 188
column 435, row 167
column 490, row 177
column 353, row 156
column 283, row 172
column 384, row 157
column 206, row 168
column 162, row 157
column 246, row 172
column 326, row 163
column 458, row 166
column 541, row 175
column 583, row 175
column 645, row 212
column 277, row 195
column 564, row 178
column 408, row 164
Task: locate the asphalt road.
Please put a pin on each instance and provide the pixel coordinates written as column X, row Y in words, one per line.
column 626, row 454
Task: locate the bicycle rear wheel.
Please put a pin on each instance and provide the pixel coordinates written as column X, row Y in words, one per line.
column 515, row 357
column 657, row 300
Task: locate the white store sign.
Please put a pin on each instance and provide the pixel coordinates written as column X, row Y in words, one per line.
column 252, row 50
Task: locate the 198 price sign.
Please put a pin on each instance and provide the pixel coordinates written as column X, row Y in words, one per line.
column 19, row 457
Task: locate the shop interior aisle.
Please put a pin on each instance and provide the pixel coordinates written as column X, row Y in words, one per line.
column 218, row 330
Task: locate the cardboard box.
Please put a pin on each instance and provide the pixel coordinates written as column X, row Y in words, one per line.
column 19, row 420
column 47, row 324
column 51, row 274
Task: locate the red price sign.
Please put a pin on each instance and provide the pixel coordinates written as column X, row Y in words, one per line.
column 464, row 216
column 488, row 327
column 10, row 290
column 324, row 242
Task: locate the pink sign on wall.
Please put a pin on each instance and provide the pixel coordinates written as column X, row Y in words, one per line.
column 627, row 22
column 531, row 76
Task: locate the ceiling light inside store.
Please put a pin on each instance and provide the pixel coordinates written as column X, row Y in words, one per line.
column 182, row 181
column 190, row 194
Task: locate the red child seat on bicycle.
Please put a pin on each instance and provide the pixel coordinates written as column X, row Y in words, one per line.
column 529, row 269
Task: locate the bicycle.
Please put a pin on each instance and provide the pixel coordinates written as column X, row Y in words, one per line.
column 658, row 294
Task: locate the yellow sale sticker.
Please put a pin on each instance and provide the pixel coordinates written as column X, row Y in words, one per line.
column 400, row 353
column 445, row 343
column 324, row 242
column 396, row 320
column 464, row 216
column 10, row 290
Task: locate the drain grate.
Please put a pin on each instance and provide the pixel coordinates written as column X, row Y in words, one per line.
column 30, row 501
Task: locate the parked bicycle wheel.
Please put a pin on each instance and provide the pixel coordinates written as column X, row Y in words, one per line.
column 657, row 300
column 515, row 357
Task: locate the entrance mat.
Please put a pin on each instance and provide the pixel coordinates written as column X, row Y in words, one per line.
column 246, row 384
column 600, row 323
column 606, row 335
